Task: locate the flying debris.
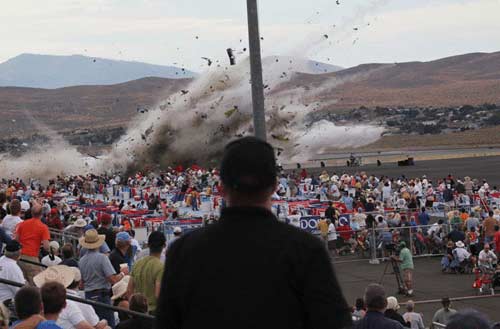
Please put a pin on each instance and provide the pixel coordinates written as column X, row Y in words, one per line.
column 232, row 58
column 184, row 92
column 280, row 138
column 204, row 116
column 197, row 37
column 142, row 110
column 325, row 36
column 356, row 29
column 93, row 156
column 262, row 38
column 94, row 60
column 209, row 61
column 231, row 111
column 337, row 2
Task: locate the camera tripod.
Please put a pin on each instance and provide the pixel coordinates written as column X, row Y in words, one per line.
column 397, row 273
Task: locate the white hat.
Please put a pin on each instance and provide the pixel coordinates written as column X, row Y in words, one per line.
column 54, row 245
column 78, row 274
column 80, row 222
column 120, row 288
column 460, row 244
column 392, row 303
column 58, row 273
column 25, row 206
column 177, row 229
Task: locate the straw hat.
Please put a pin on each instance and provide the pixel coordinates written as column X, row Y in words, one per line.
column 392, row 303
column 92, row 240
column 120, row 288
column 460, row 244
column 58, row 273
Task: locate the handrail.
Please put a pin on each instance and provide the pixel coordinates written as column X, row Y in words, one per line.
column 88, row 302
column 454, row 299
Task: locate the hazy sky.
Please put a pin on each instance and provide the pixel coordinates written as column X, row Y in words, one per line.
column 165, row 31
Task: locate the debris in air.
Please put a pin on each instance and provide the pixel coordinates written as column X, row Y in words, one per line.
column 281, row 138
column 232, row 58
column 337, row 2
column 325, row 36
column 142, row 110
column 231, row 111
column 209, row 61
column 355, row 29
column 184, row 92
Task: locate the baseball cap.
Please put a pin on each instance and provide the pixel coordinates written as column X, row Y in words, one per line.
column 248, row 165
column 13, row 246
column 123, row 236
column 25, row 206
column 177, row 229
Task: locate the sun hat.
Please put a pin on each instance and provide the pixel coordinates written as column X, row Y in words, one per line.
column 120, row 288
column 177, row 229
column 80, row 222
column 58, row 273
column 92, row 240
column 460, row 244
column 392, row 303
column 78, row 274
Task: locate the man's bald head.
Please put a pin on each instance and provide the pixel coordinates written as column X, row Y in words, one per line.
column 36, row 210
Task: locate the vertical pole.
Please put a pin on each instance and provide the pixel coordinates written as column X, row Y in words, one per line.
column 259, row 117
column 373, row 259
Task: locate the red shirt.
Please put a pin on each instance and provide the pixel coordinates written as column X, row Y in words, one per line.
column 497, row 241
column 345, row 232
column 30, row 234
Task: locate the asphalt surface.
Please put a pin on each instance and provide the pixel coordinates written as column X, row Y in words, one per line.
column 430, row 283
column 478, row 167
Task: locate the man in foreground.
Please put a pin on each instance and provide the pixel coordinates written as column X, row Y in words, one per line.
column 223, row 276
column 376, row 303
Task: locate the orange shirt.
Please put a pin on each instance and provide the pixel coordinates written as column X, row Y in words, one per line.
column 30, row 234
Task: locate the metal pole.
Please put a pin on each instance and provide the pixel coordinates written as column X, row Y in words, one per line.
column 374, row 260
column 259, row 116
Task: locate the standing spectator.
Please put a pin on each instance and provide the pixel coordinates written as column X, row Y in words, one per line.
column 106, row 228
column 415, row 319
column 330, row 212
column 98, row 274
column 332, row 238
column 406, row 259
column 444, row 314
column 376, row 303
column 147, row 273
column 54, row 221
column 392, row 311
column 10, row 222
column 323, row 230
column 137, row 303
column 177, row 235
column 489, row 228
column 31, row 234
column 10, row 270
column 496, row 239
column 53, row 257
column 200, row 265
column 123, row 252
column 423, row 217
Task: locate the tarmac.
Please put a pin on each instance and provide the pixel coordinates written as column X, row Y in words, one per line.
column 476, row 167
column 430, row 283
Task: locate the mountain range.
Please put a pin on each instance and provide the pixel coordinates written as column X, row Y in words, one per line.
column 454, row 81
column 50, row 72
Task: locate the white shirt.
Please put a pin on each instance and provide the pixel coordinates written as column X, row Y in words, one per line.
column 87, row 311
column 70, row 316
column 462, row 254
column 48, row 262
column 487, row 258
column 332, row 233
column 10, row 223
column 9, row 270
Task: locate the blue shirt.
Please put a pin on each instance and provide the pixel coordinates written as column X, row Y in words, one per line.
column 47, row 324
column 423, row 218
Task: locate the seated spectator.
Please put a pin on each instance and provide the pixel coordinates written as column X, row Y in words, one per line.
column 53, row 257
column 71, row 315
column 10, row 222
column 137, row 303
column 468, row 319
column 376, row 302
column 88, row 311
column 392, row 311
column 54, row 301
column 68, row 256
column 120, row 298
column 414, row 319
column 10, row 271
column 359, row 309
column 29, row 307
